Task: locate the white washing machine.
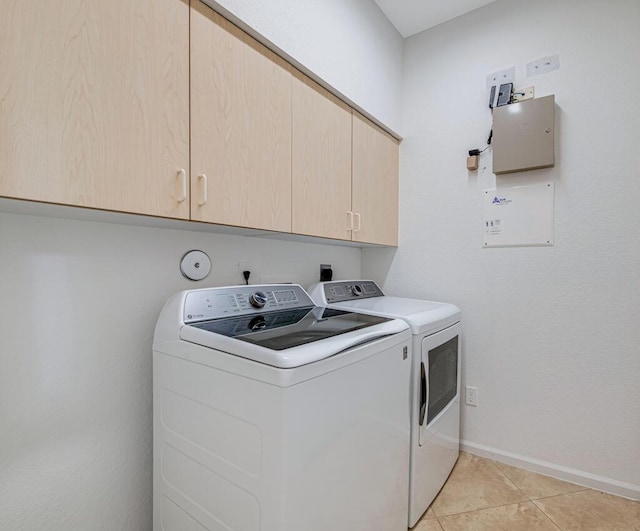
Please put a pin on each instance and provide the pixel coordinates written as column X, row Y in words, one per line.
column 435, row 379
column 272, row 414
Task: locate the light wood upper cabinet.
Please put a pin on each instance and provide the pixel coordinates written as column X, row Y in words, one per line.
column 321, row 161
column 165, row 108
column 94, row 103
column 240, row 127
column 375, row 183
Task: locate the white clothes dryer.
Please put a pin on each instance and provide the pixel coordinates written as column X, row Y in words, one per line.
column 435, row 378
column 272, row 414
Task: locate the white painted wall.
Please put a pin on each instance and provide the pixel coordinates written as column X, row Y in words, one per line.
column 79, row 301
column 350, row 45
column 551, row 335
column 543, row 327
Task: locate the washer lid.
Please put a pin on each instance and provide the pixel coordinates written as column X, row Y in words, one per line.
column 290, row 338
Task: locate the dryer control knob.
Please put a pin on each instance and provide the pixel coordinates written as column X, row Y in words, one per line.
column 357, row 290
column 258, row 299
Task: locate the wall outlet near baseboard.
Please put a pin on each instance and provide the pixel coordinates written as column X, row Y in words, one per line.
column 471, row 396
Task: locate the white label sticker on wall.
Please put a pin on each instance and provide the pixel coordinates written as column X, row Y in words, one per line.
column 518, row 215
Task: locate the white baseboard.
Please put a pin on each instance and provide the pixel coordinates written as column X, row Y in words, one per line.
column 612, row 486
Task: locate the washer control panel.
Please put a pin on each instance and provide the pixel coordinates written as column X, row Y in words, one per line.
column 217, row 303
column 347, row 290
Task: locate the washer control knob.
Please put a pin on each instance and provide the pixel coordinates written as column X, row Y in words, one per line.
column 357, row 290
column 257, row 323
column 258, row 299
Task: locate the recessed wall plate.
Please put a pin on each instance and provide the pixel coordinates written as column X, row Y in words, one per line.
column 326, row 273
column 195, row 265
column 543, row 65
column 499, row 77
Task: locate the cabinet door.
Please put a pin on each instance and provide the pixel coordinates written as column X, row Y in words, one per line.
column 94, row 103
column 240, row 127
column 321, row 161
column 375, row 183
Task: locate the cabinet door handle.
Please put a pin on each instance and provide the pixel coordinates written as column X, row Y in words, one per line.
column 350, row 216
column 358, row 222
column 182, row 174
column 202, row 177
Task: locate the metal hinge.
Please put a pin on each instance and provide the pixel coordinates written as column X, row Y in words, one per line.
column 405, row 353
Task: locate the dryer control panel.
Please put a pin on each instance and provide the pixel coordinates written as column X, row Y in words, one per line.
column 347, row 290
column 217, row 303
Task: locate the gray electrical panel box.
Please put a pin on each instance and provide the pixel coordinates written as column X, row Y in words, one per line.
column 523, row 135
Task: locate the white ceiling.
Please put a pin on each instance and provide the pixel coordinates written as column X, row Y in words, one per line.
column 413, row 16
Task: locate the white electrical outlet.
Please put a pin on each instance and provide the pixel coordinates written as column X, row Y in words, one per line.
column 471, row 396
column 523, row 94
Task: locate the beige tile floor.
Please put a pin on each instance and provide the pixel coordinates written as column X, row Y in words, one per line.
column 483, row 495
